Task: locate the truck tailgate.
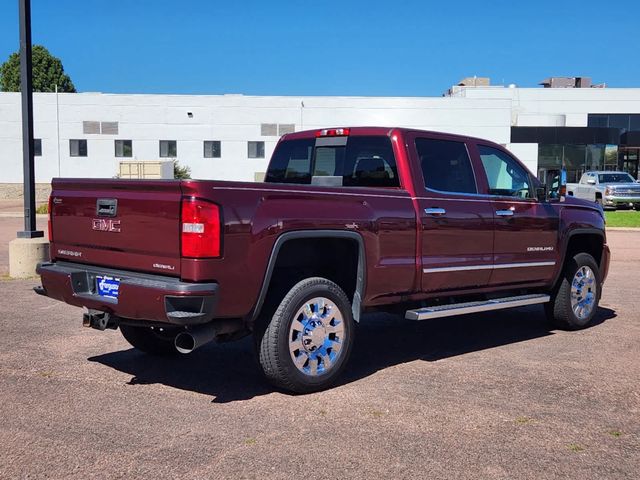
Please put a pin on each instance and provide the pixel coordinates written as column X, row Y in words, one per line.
column 127, row 224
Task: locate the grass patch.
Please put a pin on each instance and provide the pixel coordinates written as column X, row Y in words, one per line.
column 5, row 277
column 615, row 433
column 42, row 209
column 250, row 441
column 624, row 218
column 524, row 420
column 575, row 447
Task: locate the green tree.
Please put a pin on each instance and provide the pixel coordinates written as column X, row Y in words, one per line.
column 181, row 172
column 47, row 73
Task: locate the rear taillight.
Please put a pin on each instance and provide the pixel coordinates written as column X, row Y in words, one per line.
column 200, row 228
column 49, row 212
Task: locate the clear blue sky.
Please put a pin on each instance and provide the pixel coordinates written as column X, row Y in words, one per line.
column 329, row 47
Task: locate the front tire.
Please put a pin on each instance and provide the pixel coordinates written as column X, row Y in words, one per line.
column 575, row 302
column 308, row 340
column 154, row 340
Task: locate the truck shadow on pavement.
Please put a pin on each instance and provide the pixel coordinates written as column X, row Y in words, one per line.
column 229, row 372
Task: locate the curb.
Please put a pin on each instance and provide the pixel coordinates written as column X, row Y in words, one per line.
column 20, row 215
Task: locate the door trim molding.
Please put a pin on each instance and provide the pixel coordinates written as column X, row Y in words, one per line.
column 488, row 267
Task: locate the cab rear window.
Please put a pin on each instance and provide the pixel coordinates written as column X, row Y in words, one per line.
column 366, row 161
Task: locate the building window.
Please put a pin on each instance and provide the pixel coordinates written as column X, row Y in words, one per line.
column 168, row 148
column 623, row 121
column 212, row 149
column 596, row 120
column 256, row 149
column 124, row 148
column 78, row 148
column 37, row 147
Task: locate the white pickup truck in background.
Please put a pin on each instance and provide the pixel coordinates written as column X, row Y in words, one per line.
column 609, row 189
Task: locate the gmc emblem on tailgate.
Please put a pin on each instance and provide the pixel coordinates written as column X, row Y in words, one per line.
column 106, row 225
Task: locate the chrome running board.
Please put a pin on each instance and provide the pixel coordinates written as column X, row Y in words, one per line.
column 439, row 311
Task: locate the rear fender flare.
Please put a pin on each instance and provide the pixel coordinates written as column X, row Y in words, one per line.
column 356, row 303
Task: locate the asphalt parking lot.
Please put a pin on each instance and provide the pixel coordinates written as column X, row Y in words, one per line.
column 495, row 395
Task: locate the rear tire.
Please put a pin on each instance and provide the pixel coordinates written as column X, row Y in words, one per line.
column 308, row 340
column 151, row 340
column 575, row 301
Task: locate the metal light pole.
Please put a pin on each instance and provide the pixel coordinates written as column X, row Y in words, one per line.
column 26, row 87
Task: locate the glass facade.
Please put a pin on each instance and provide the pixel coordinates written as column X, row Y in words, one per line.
column 626, row 158
column 624, row 121
column 576, row 159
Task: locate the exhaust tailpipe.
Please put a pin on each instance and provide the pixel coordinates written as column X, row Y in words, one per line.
column 189, row 340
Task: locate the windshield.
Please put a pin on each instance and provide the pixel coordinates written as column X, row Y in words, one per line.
column 615, row 178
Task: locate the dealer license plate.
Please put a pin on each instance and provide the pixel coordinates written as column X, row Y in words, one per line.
column 107, row 286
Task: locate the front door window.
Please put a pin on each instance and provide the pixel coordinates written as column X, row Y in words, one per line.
column 505, row 176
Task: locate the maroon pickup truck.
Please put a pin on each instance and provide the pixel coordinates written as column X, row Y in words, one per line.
column 349, row 220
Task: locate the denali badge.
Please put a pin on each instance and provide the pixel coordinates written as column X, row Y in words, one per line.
column 540, row 249
column 105, row 225
column 71, row 253
column 163, row 266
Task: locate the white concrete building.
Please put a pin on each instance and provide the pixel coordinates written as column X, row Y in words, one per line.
column 89, row 134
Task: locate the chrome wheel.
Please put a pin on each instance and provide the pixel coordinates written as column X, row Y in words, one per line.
column 583, row 292
column 316, row 336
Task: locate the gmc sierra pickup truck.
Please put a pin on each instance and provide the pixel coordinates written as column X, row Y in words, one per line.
column 610, row 189
column 348, row 220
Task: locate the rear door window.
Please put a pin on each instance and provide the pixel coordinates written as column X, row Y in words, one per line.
column 365, row 161
column 446, row 166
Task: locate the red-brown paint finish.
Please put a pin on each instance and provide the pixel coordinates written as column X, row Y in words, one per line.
column 148, row 211
column 399, row 238
column 257, row 214
column 467, row 217
column 529, row 236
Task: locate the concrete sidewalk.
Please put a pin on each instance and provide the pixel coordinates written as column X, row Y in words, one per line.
column 9, row 208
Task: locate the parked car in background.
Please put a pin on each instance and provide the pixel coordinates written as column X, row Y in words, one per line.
column 609, row 189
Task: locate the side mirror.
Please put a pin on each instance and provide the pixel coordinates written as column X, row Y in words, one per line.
column 562, row 190
column 591, row 181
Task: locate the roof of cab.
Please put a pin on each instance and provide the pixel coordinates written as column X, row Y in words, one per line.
column 382, row 131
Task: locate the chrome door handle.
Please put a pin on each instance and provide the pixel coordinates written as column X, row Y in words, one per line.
column 504, row 213
column 435, row 211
